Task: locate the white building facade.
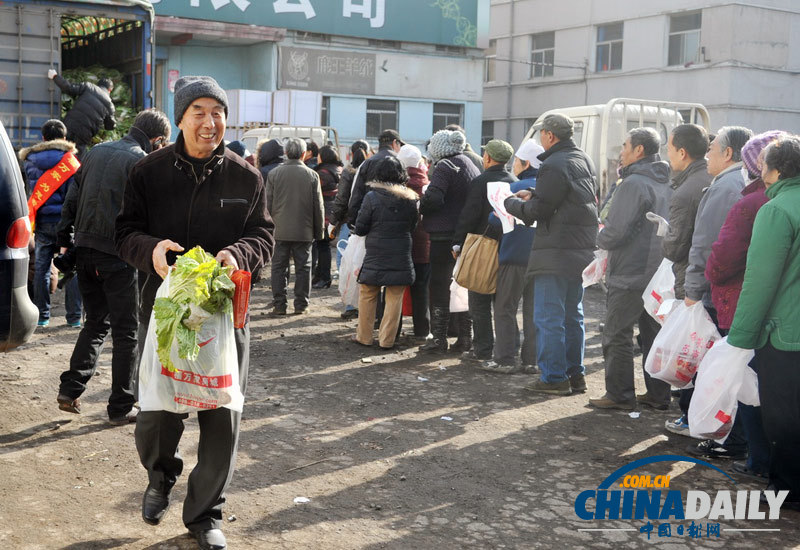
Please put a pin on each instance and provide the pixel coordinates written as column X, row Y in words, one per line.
column 740, row 59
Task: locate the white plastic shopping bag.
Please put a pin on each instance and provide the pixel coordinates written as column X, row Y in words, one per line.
column 352, row 260
column 660, row 292
column 748, row 393
column 459, row 295
column 459, row 298
column 595, row 271
column 681, row 344
column 208, row 382
column 717, row 389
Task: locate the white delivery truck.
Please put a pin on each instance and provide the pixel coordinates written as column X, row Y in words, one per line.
column 600, row 130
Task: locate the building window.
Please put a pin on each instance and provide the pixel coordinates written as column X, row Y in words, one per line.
column 490, row 62
column 325, row 111
column 542, row 54
column 684, row 38
column 609, row 48
column 446, row 113
column 487, row 131
column 381, row 115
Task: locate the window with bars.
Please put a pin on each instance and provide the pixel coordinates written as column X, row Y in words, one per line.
column 609, row 48
column 490, row 62
column 447, row 113
column 542, row 54
column 684, row 38
column 381, row 114
column 487, row 131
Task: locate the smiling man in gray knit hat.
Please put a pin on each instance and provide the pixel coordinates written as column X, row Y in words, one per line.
column 194, row 192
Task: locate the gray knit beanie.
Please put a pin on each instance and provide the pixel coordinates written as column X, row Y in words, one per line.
column 445, row 143
column 189, row 88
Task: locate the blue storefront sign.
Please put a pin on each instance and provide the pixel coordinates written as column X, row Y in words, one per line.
column 446, row 22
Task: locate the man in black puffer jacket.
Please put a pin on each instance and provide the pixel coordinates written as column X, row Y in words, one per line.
column 93, row 108
column 565, row 209
column 634, row 254
column 108, row 285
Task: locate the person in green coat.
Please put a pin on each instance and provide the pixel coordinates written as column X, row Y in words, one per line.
column 767, row 316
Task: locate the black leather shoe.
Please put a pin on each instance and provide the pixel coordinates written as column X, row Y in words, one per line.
column 210, row 539
column 154, row 505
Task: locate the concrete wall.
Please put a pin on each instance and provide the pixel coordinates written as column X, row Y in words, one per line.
column 747, row 76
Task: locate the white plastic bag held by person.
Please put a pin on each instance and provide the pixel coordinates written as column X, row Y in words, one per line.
column 596, row 270
column 459, row 296
column 208, row 382
column 352, row 260
column 660, row 292
column 720, row 378
column 681, row 344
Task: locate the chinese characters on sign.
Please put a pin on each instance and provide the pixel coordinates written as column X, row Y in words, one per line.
column 327, row 71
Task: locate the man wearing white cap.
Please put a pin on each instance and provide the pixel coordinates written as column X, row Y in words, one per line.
column 512, row 283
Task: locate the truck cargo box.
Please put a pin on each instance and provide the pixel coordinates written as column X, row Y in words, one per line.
column 37, row 35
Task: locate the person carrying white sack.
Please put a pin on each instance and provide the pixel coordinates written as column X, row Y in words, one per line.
column 767, row 318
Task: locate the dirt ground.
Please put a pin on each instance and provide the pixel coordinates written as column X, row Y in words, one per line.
column 393, row 450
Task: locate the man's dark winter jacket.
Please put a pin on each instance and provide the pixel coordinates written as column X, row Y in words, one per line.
column 37, row 160
column 634, row 249
column 329, row 177
column 224, row 207
column 268, row 156
column 476, row 159
column 92, row 110
column 687, row 188
column 342, row 199
column 565, row 209
column 365, row 173
column 445, row 197
column 95, row 200
column 387, row 217
column 474, row 216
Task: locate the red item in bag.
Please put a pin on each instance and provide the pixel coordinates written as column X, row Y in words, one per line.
column 241, row 297
column 407, row 302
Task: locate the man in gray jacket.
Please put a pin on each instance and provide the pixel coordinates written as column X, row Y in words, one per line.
column 634, row 254
column 294, row 198
column 725, row 165
column 687, row 148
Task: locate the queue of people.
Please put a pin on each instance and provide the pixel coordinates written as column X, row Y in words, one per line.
column 717, row 196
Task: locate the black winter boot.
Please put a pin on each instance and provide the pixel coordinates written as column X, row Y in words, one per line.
column 464, row 342
column 439, row 319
